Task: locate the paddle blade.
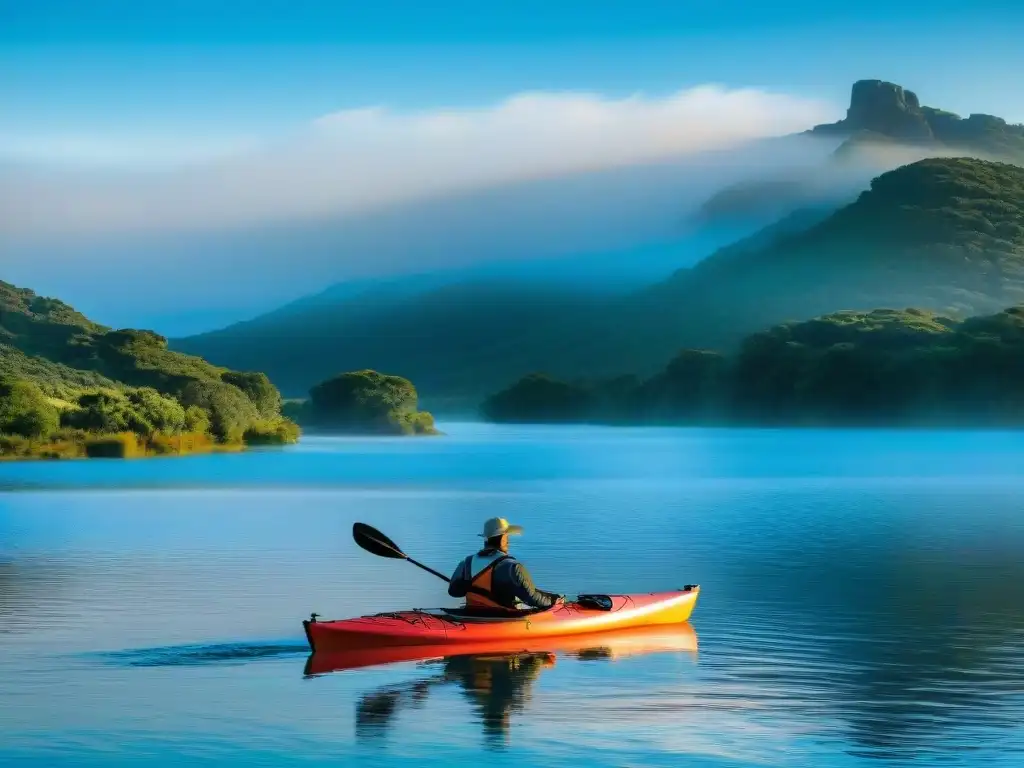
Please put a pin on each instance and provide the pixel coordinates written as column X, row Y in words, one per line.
column 375, row 542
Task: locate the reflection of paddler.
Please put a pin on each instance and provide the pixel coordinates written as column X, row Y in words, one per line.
column 497, row 682
column 375, row 711
column 497, row 685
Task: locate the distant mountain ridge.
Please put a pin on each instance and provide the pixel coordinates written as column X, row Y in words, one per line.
column 945, row 234
column 459, row 335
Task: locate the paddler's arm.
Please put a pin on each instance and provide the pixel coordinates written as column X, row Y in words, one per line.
column 524, row 589
column 459, row 585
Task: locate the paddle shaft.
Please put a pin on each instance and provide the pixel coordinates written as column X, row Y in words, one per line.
column 428, row 569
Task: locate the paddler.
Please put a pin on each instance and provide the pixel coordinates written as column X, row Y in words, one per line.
column 493, row 579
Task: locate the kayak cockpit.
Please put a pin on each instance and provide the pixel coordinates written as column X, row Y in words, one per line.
column 490, row 614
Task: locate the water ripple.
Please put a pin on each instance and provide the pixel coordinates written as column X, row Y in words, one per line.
column 200, row 655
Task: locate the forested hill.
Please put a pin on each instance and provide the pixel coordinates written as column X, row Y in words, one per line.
column 59, row 337
column 69, row 387
column 943, row 234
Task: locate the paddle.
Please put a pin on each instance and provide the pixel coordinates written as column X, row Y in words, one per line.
column 376, row 543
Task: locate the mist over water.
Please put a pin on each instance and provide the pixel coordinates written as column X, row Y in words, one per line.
column 860, row 603
column 632, row 223
column 593, row 223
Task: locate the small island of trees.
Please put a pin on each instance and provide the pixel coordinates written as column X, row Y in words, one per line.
column 363, row 402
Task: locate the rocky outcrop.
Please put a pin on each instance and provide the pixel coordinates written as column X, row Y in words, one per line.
column 882, row 108
column 880, row 111
column 885, row 127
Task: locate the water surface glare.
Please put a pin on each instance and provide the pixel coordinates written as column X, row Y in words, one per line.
column 862, row 601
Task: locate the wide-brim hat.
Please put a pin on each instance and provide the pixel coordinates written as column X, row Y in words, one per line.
column 499, row 526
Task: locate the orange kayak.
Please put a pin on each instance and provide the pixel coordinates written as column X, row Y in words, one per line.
column 443, row 627
column 615, row 644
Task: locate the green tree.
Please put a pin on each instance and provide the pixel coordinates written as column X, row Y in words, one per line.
column 108, row 412
column 258, row 389
column 231, row 412
column 197, row 420
column 164, row 413
column 25, row 411
column 363, row 401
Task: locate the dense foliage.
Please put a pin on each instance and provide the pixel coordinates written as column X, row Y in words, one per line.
column 55, row 379
column 539, row 398
column 109, row 412
column 859, row 368
column 231, row 412
column 66, row 348
column 71, row 387
column 258, row 389
column 366, row 402
column 25, row 410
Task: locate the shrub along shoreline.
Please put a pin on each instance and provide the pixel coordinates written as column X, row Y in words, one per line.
column 240, row 411
column 124, row 445
column 135, row 422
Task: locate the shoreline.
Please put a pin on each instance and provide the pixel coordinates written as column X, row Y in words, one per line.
column 116, row 446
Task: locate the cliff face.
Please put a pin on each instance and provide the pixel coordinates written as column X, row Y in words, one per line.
column 882, row 108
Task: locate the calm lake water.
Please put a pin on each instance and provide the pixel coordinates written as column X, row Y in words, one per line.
column 862, row 601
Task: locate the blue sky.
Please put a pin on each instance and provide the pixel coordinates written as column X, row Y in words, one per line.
column 209, row 69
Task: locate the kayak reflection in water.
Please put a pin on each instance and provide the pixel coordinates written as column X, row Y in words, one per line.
column 496, row 686
column 493, row 580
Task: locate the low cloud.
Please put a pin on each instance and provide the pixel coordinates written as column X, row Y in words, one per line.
column 360, row 160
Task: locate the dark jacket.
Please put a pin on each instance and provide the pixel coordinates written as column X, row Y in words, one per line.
column 509, row 580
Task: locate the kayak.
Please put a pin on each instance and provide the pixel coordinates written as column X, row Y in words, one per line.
column 587, row 614
column 613, row 644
